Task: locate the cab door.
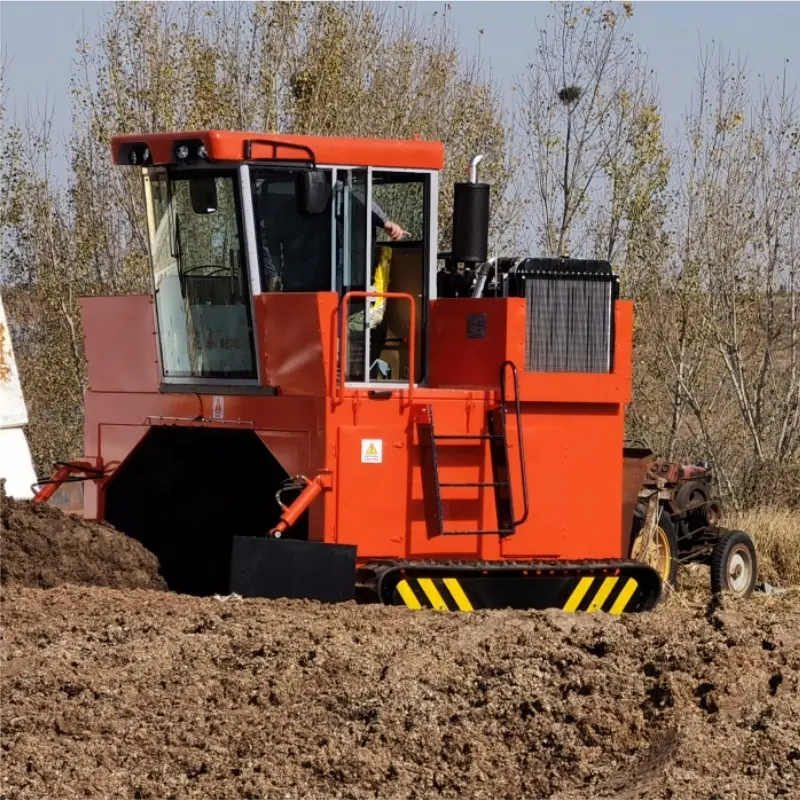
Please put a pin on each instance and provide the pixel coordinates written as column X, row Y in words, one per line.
column 352, row 190
column 385, row 225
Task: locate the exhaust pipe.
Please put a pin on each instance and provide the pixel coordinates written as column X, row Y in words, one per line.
column 471, row 218
column 473, row 168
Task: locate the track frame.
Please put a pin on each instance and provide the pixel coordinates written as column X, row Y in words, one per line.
column 613, row 586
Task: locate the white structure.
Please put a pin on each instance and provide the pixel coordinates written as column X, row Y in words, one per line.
column 16, row 465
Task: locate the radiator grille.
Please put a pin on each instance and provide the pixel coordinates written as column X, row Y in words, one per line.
column 570, row 320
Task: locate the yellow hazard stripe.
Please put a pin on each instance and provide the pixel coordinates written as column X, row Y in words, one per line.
column 432, row 593
column 454, row 587
column 409, row 598
column 437, row 600
column 622, row 600
column 602, row 595
column 578, row 594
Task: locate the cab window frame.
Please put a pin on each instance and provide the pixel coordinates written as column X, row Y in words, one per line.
column 430, row 181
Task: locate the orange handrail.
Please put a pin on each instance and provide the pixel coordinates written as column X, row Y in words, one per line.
column 412, row 341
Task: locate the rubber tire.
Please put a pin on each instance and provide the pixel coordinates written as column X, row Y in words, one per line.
column 684, row 495
column 665, row 523
column 719, row 561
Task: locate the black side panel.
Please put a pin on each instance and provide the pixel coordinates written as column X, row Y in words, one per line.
column 262, row 567
column 615, row 587
column 181, row 494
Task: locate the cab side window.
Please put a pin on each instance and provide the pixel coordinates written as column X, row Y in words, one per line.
column 401, row 202
column 294, row 249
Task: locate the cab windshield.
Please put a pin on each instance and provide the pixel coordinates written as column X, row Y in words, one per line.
column 201, row 288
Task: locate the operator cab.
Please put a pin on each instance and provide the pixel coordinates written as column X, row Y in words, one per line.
column 223, row 231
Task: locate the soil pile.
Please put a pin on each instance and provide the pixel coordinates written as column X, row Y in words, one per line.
column 42, row 547
column 144, row 694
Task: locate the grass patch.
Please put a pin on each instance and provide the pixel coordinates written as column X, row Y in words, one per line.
column 776, row 533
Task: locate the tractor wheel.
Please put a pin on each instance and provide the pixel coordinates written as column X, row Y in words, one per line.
column 662, row 554
column 734, row 565
column 691, row 493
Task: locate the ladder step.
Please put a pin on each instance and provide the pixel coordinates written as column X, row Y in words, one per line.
column 504, row 532
column 479, row 436
column 498, row 483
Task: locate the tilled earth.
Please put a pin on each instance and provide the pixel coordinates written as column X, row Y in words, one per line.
column 133, row 693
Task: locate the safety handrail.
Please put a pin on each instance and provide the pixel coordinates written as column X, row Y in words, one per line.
column 275, row 144
column 343, row 331
column 518, row 413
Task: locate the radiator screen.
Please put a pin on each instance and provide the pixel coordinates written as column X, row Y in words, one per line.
column 570, row 321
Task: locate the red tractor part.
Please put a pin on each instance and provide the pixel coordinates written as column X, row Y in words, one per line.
column 677, row 521
column 66, row 472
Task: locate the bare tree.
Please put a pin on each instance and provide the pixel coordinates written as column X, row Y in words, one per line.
column 586, row 94
column 729, row 334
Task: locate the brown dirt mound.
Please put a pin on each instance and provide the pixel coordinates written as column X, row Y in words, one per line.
column 42, row 547
column 151, row 695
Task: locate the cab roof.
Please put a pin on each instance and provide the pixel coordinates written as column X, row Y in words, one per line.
column 231, row 146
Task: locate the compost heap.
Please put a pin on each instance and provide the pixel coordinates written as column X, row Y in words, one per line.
column 135, row 693
column 43, row 547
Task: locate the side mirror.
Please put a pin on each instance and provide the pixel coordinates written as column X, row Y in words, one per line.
column 312, row 192
column 203, row 192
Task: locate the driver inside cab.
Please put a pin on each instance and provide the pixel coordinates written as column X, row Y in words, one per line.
column 296, row 256
column 296, row 248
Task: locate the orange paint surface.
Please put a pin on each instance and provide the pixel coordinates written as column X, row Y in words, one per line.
column 293, row 334
column 120, row 344
column 230, row 146
column 490, row 329
column 573, row 428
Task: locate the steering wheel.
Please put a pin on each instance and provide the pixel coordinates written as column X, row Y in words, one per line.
column 215, row 270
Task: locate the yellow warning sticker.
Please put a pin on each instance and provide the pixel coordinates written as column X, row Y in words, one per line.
column 371, row 451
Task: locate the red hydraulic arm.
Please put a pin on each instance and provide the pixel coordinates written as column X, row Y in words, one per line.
column 65, row 470
column 312, row 488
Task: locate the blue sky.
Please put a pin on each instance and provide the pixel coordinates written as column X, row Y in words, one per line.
column 39, row 40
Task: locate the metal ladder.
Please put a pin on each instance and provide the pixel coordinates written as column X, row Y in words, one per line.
column 498, row 450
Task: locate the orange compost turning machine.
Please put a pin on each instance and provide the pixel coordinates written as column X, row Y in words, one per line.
column 315, row 402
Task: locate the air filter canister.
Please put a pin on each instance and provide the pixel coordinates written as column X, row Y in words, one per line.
column 470, row 222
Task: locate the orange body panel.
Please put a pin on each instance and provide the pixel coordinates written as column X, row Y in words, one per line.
column 492, row 328
column 294, row 340
column 572, row 424
column 230, row 146
column 134, row 366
